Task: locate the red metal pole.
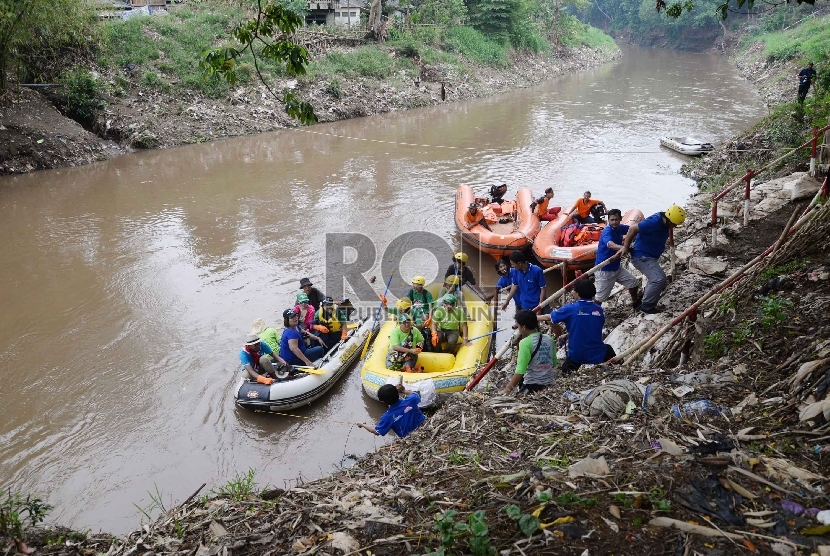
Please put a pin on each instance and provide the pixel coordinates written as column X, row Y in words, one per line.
column 714, row 222
column 748, row 177
column 813, row 148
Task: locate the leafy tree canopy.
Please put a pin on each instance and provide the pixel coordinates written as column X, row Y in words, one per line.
column 266, row 35
column 676, row 9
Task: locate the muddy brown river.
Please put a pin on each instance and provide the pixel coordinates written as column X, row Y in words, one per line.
column 128, row 286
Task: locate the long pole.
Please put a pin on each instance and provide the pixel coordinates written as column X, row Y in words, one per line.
column 567, row 286
column 488, row 366
column 377, row 315
column 649, row 341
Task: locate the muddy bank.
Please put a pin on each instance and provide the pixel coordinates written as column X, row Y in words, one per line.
column 35, row 136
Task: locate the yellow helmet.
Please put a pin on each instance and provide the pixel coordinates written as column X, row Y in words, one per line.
column 463, row 257
column 420, row 280
column 676, row 215
column 403, row 304
column 452, row 279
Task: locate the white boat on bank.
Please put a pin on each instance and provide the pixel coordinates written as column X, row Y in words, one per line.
column 302, row 388
column 686, row 145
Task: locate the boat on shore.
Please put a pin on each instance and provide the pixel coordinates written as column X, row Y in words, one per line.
column 302, row 388
column 448, row 372
column 687, row 145
column 513, row 224
column 549, row 250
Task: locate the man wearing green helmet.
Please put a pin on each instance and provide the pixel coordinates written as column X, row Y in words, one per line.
column 405, row 343
column 651, row 235
column 448, row 321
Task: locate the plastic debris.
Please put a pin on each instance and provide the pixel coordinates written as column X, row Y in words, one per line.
column 589, row 467
column 697, row 408
column 823, row 517
column 792, row 507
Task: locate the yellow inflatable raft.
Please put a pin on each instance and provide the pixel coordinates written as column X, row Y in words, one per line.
column 449, row 373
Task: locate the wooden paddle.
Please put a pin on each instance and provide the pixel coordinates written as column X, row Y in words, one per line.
column 377, row 314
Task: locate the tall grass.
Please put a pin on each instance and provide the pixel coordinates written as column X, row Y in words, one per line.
column 810, row 40
column 170, row 46
column 368, row 61
column 475, row 45
column 581, row 34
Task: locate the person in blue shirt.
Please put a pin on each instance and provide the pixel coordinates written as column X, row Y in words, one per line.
column 584, row 320
column 805, row 78
column 610, row 242
column 257, row 359
column 651, row 235
column 403, row 415
column 505, row 276
column 293, row 348
column 527, row 283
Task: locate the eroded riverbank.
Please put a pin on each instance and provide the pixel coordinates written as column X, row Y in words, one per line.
column 36, row 136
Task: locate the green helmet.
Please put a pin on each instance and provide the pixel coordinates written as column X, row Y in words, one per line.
column 403, row 317
column 450, row 298
column 302, row 297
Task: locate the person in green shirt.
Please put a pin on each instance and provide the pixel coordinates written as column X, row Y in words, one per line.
column 422, row 304
column 450, row 287
column 421, row 301
column 405, row 343
column 448, row 321
column 267, row 334
column 536, row 357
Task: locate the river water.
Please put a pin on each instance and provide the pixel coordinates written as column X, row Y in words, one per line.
column 128, row 285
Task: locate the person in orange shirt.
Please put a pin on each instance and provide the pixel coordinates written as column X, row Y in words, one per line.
column 583, row 207
column 542, row 210
column 474, row 217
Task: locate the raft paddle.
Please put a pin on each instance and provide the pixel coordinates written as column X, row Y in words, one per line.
column 377, row 314
column 485, row 335
column 309, row 370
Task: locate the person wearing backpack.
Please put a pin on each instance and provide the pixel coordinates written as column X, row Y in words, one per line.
column 536, row 357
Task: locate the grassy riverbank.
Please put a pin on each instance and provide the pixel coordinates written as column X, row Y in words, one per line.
column 138, row 83
column 771, row 60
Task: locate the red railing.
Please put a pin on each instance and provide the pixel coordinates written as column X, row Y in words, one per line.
column 747, row 179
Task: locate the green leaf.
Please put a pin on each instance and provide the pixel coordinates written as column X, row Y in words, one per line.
column 528, row 524
column 478, row 527
column 513, row 511
column 543, row 496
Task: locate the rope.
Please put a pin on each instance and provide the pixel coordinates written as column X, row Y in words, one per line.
column 424, row 145
column 388, row 142
column 315, row 418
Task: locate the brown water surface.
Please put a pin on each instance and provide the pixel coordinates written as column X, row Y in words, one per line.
column 127, row 286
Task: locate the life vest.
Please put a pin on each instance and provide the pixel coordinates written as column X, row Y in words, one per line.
column 332, row 322
column 588, row 234
column 569, row 233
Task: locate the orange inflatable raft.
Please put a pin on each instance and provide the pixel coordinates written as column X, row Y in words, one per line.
column 550, row 251
column 513, row 225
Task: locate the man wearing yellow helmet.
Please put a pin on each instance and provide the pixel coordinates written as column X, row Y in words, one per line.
column 651, row 235
column 421, row 303
column 459, row 268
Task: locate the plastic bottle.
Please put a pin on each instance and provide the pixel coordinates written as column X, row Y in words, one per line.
column 697, row 408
